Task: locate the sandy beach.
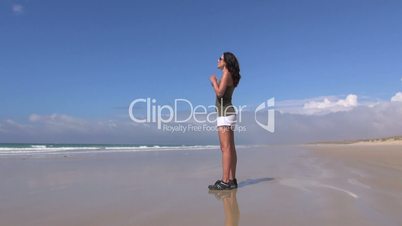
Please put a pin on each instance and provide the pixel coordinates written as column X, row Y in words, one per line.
column 278, row 185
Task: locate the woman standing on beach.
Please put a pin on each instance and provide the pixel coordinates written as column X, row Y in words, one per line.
column 226, row 119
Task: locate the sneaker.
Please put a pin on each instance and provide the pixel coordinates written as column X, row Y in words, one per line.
column 233, row 183
column 213, row 185
column 220, row 185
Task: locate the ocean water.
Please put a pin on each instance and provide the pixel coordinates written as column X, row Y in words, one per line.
column 32, row 149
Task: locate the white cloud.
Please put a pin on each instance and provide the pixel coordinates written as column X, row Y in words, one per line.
column 17, row 8
column 326, row 105
column 15, row 124
column 323, row 104
column 59, row 118
column 62, row 128
column 318, row 104
column 8, row 125
column 397, row 97
column 362, row 121
column 59, row 123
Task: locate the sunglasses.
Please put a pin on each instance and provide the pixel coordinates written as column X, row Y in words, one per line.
column 220, row 58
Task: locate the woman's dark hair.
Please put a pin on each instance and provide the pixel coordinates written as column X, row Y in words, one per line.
column 233, row 66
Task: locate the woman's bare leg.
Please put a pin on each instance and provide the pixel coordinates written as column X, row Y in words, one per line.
column 227, row 153
column 233, row 163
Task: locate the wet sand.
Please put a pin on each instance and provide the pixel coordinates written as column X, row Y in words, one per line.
column 278, row 185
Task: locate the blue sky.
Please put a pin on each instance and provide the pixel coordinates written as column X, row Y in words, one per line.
column 89, row 59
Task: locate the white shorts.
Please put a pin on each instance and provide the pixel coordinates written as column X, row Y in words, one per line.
column 229, row 120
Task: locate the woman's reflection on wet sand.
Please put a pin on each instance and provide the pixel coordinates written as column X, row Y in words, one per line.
column 230, row 206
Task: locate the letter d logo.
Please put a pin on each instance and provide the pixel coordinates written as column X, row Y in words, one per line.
column 270, row 126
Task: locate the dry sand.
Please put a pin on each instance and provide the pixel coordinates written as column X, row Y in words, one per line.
column 279, row 185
